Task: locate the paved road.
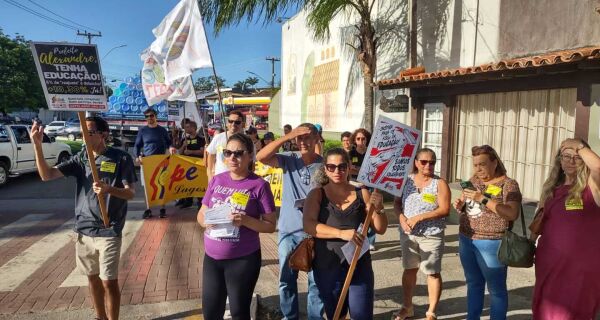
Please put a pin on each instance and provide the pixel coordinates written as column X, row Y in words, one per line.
column 161, row 263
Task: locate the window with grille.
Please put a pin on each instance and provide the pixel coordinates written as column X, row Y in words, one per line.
column 433, row 118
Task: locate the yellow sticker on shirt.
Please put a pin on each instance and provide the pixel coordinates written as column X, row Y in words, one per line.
column 429, row 198
column 220, row 149
column 574, row 205
column 493, row 190
column 193, row 141
column 240, row 199
column 106, row 166
column 355, row 160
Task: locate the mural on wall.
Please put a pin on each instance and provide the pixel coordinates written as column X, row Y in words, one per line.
column 322, row 94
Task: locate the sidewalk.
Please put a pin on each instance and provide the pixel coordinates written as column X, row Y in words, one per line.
column 387, row 266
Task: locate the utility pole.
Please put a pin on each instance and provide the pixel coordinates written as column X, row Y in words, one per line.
column 89, row 35
column 273, row 60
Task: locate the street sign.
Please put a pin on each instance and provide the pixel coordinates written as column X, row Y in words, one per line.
column 70, row 75
column 398, row 104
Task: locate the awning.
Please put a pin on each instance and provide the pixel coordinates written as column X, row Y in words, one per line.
column 259, row 113
column 247, row 101
column 493, row 70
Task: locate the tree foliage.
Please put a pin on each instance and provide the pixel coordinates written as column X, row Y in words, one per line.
column 206, row 84
column 20, row 85
column 225, row 13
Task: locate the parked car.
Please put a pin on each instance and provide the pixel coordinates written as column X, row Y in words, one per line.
column 212, row 127
column 55, row 128
column 262, row 126
column 72, row 131
column 16, row 151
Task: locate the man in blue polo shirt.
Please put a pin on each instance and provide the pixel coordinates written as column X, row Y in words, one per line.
column 152, row 139
column 298, row 170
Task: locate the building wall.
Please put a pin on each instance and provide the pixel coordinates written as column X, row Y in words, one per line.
column 547, row 25
column 594, row 128
column 322, row 81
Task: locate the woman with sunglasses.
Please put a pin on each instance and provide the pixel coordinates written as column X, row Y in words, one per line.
column 487, row 206
column 332, row 214
column 232, row 264
column 567, row 258
column 422, row 209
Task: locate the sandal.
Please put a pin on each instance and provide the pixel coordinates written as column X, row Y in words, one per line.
column 404, row 313
column 430, row 316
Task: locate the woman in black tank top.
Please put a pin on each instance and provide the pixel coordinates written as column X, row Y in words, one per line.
column 332, row 215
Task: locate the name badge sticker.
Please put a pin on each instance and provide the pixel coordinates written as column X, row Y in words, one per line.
column 574, row 205
column 106, row 166
column 429, row 198
column 240, row 199
column 493, row 190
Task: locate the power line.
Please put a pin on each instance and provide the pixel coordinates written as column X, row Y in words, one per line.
column 40, row 15
column 56, row 14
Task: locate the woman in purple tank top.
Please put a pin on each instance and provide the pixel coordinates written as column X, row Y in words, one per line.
column 567, row 283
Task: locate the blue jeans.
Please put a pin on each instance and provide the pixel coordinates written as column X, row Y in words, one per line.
column 288, row 283
column 371, row 236
column 360, row 294
column 480, row 263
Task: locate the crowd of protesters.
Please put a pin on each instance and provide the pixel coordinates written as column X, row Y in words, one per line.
column 322, row 199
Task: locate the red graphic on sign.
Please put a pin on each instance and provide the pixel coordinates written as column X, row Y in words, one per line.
column 375, row 151
column 408, row 150
column 398, row 181
column 380, row 170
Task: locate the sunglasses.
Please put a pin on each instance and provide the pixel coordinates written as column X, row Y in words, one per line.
column 236, row 122
column 426, row 162
column 93, row 132
column 342, row 167
column 237, row 153
column 149, row 116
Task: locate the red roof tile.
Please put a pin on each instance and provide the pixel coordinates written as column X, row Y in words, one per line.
column 547, row 59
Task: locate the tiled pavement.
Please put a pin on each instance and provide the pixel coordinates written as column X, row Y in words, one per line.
column 162, row 263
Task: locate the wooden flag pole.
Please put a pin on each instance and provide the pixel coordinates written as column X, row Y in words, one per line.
column 365, row 230
column 92, row 162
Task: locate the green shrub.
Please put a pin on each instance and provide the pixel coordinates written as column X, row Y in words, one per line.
column 330, row 144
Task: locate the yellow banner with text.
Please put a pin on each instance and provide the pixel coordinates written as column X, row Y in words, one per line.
column 275, row 178
column 170, row 177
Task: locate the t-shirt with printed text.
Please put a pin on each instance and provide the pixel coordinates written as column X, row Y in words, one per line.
column 221, row 190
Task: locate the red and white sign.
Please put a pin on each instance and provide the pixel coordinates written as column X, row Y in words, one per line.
column 389, row 158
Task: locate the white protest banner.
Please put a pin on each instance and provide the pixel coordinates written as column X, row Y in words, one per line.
column 181, row 42
column 157, row 89
column 390, row 155
column 70, row 75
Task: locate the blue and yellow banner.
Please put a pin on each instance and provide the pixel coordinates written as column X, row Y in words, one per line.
column 170, row 177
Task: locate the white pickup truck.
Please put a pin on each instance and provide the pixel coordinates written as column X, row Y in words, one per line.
column 16, row 151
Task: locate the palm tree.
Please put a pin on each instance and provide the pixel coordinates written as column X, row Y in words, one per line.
column 224, row 13
column 251, row 81
column 240, row 85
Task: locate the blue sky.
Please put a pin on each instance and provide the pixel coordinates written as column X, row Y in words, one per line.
column 235, row 50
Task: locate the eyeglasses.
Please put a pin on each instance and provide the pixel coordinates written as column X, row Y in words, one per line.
column 236, row 122
column 342, row 167
column 569, row 158
column 426, row 162
column 237, row 153
column 151, row 115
